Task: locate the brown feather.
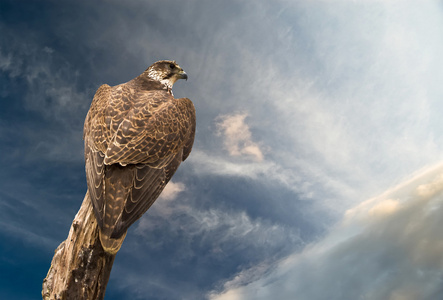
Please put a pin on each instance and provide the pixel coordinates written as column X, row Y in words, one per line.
column 136, row 135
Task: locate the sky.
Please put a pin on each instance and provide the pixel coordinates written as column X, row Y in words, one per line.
column 317, row 168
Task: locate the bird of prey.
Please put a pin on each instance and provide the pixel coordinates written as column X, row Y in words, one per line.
column 136, row 135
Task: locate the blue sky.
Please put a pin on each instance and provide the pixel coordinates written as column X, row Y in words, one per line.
column 316, row 171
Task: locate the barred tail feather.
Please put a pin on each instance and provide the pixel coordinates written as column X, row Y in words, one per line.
column 111, row 245
column 117, row 187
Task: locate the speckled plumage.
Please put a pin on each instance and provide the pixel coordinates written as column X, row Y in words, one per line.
column 136, row 135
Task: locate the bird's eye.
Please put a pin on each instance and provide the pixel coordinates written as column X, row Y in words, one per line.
column 172, row 66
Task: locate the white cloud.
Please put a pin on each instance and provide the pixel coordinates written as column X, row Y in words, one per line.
column 172, row 190
column 237, row 136
column 267, row 172
column 389, row 247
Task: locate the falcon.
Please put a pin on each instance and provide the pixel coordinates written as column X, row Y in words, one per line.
column 136, row 135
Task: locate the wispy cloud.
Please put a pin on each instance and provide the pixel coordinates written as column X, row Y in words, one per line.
column 219, row 228
column 8, row 64
column 49, row 89
column 52, row 90
column 201, row 237
column 52, row 82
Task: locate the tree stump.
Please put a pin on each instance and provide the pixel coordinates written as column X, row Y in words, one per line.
column 80, row 267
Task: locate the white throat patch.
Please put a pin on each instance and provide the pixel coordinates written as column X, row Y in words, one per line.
column 157, row 77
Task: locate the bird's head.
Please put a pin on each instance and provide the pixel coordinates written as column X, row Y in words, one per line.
column 167, row 72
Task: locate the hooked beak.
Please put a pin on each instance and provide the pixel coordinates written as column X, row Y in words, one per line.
column 183, row 75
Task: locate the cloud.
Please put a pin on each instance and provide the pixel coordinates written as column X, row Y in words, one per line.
column 8, row 65
column 220, row 228
column 52, row 90
column 171, row 190
column 266, row 172
column 51, row 81
column 43, row 84
column 182, row 238
column 238, row 137
column 389, row 247
column 28, row 236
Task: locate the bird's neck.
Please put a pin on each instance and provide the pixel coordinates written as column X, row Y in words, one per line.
column 148, row 83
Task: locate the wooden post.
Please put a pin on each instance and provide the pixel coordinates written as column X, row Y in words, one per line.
column 80, row 267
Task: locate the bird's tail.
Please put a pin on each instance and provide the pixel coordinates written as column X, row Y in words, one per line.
column 117, row 188
column 111, row 245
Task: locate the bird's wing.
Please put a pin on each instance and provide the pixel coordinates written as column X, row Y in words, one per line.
column 190, row 141
column 152, row 138
column 153, row 131
column 108, row 109
column 149, row 137
column 96, row 135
